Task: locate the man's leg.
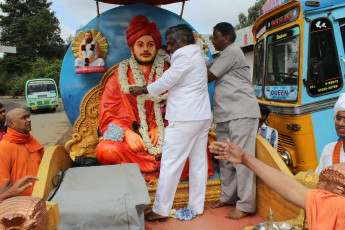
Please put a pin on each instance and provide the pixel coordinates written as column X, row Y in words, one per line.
column 198, row 167
column 243, row 134
column 178, row 142
column 228, row 177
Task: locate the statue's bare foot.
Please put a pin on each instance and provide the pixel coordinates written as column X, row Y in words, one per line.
column 236, row 214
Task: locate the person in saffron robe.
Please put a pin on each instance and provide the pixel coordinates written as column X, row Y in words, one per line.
column 121, row 122
column 20, row 152
column 3, row 123
column 324, row 209
column 334, row 152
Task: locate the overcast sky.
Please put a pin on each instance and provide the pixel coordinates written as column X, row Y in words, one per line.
column 203, row 15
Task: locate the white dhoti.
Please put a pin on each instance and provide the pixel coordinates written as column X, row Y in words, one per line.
column 183, row 139
column 79, row 62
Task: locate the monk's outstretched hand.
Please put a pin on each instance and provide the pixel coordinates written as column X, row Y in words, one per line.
column 135, row 90
column 9, row 190
column 6, row 186
column 22, row 184
column 134, row 141
column 227, row 151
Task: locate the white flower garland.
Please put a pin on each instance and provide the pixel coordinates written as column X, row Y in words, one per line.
column 158, row 68
column 83, row 52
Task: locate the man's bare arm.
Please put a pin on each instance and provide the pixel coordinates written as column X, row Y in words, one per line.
column 286, row 186
column 210, row 76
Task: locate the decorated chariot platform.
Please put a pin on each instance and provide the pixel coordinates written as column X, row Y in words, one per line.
column 82, row 90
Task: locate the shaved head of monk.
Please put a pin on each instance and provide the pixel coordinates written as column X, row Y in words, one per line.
column 19, row 120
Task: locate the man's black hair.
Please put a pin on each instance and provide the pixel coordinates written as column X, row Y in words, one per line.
column 226, row 28
column 180, row 32
column 264, row 110
column 1, row 106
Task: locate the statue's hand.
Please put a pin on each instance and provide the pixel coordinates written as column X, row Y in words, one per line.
column 134, row 141
column 153, row 133
column 86, row 62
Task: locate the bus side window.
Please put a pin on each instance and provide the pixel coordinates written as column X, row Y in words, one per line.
column 324, row 74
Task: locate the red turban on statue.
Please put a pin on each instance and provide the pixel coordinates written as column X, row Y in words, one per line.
column 140, row 26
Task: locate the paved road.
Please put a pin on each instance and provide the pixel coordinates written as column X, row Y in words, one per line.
column 47, row 127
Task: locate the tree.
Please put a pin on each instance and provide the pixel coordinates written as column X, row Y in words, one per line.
column 41, row 68
column 243, row 20
column 33, row 29
column 253, row 14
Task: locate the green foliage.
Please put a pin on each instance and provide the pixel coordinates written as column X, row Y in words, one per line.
column 253, row 14
column 17, row 84
column 41, row 68
column 3, row 84
column 33, row 29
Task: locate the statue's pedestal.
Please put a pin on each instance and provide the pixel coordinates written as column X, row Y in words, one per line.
column 91, row 69
column 102, row 197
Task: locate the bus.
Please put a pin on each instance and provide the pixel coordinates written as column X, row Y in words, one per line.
column 41, row 94
column 298, row 72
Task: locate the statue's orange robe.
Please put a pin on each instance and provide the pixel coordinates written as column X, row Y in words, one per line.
column 121, row 109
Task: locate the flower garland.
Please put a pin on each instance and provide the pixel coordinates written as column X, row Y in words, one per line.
column 114, row 133
column 83, row 49
column 158, row 69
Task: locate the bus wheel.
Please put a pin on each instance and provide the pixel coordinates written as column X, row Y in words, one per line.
column 32, row 111
column 53, row 110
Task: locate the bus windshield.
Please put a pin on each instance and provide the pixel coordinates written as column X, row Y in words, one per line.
column 41, row 87
column 281, row 81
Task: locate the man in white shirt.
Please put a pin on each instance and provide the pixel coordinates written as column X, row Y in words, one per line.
column 333, row 153
column 189, row 114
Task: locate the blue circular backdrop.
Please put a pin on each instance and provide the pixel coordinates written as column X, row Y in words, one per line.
column 112, row 24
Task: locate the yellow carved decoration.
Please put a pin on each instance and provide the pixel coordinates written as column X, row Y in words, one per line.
column 85, row 136
column 98, row 36
column 213, row 192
